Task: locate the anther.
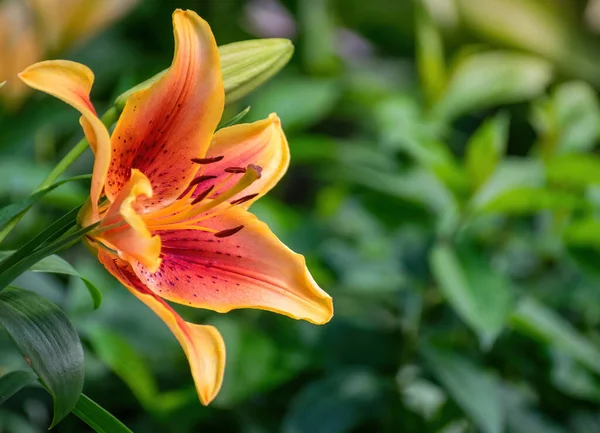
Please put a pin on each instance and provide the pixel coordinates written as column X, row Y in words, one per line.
column 244, row 199
column 256, row 168
column 235, row 170
column 201, row 179
column 228, row 232
column 207, row 160
column 203, row 195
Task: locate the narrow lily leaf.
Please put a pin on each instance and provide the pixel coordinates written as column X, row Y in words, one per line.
column 479, row 295
column 477, row 392
column 537, row 321
column 13, row 210
column 13, row 381
column 57, row 265
column 7, row 276
column 235, row 119
column 126, row 363
column 245, row 66
column 48, row 342
column 97, row 417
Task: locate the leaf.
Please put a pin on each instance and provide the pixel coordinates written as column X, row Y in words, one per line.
column 46, row 338
column 478, row 294
column 299, row 102
column 430, row 56
column 235, row 119
column 492, row 78
column 583, row 233
column 57, row 265
column 7, row 213
column 543, row 324
column 485, row 149
column 335, row 404
column 13, row 381
column 125, row 362
column 245, row 66
column 526, row 200
column 97, row 417
column 476, row 391
column 575, row 170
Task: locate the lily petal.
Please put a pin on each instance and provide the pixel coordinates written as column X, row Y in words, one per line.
column 166, row 125
column 248, row 269
column 72, row 83
column 261, row 143
column 131, row 239
column 203, row 344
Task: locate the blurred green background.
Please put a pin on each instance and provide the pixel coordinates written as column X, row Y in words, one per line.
column 444, row 187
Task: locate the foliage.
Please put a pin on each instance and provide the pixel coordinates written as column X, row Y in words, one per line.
column 443, row 187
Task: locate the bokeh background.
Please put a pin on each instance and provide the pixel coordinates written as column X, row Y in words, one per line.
column 444, row 187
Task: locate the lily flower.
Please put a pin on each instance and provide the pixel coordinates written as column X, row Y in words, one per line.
column 171, row 196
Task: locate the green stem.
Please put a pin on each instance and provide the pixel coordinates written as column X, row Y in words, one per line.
column 108, row 118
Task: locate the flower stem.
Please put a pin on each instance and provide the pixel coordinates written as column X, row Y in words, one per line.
column 108, row 118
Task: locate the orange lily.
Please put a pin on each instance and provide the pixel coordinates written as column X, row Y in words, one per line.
column 175, row 223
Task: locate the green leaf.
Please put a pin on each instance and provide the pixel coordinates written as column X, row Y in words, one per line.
column 543, row 324
column 485, row 149
column 523, row 201
column 492, row 78
column 430, row 56
column 46, row 338
column 473, row 389
column 97, row 417
column 575, row 170
column 478, row 294
column 245, row 66
column 11, row 211
column 13, row 381
column 235, row 119
column 125, row 362
column 57, row 265
column 583, row 233
column 335, row 404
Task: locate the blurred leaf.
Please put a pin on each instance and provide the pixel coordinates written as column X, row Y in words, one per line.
column 336, row 404
column 543, row 324
column 57, row 265
column 478, row 294
column 573, row 379
column 531, row 200
column 492, row 78
column 13, row 381
column 430, row 56
column 245, row 66
column 125, row 362
column 97, row 417
column 576, row 170
column 485, row 148
column 46, row 338
column 299, row 102
column 320, row 36
column 520, row 417
column 569, row 121
column 476, row 391
column 583, row 233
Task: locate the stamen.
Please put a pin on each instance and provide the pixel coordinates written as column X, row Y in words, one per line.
column 207, row 160
column 235, row 170
column 244, row 199
column 203, row 195
column 228, row 232
column 201, row 179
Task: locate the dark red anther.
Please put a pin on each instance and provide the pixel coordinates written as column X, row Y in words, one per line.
column 228, row 232
column 235, row 170
column 203, row 195
column 207, row 160
column 201, row 179
column 244, row 198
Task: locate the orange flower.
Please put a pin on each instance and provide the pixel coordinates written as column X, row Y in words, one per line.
column 175, row 223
